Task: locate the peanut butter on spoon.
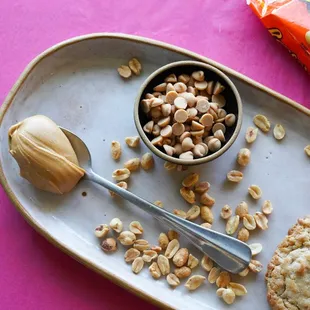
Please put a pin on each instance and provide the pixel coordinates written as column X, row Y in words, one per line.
column 44, row 155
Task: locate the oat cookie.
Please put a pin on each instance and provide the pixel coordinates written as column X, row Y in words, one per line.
column 288, row 273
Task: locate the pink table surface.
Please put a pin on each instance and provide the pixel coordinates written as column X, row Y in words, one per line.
column 36, row 275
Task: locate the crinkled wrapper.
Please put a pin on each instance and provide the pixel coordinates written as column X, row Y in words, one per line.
column 288, row 21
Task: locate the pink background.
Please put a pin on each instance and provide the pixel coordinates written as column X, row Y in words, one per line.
column 34, row 274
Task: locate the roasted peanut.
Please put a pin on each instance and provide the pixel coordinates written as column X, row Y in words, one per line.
column 102, row 231
column 244, row 157
column 226, row 212
column 135, row 66
column 132, row 141
column 251, row 134
column 116, row 224
column 243, row 234
column 121, row 174
column 232, row 224
column 255, row 192
column 124, row 71
column 206, row 214
column 116, row 150
column 235, row 176
column 262, row 122
column 147, row 161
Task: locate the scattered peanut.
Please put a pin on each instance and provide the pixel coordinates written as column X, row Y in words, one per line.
column 127, row 238
column 149, row 255
column 179, row 213
column 243, row 157
column 158, row 203
column 180, row 258
column 136, row 228
column 262, row 122
column 137, row 265
column 206, row 214
column 141, row 244
column 243, row 234
column 220, row 291
column 228, row 296
column 201, row 187
column 163, row 264
column 169, row 166
column 182, row 272
column 154, row 270
column 226, row 212
column 109, row 245
column 214, row 274
column 188, row 195
column 261, row 220
column 255, row 266
column 207, row 200
column 121, row 184
column 267, row 207
column 235, row 176
column 173, row 280
column 206, row 263
column 279, row 132
column 156, row 248
column 121, row 174
column 132, row 141
column 251, row 134
column 124, row 71
column 307, row 150
column 192, row 261
column 131, row 254
column 256, row 248
column 163, row 241
column 242, row 209
column 244, row 272
column 249, row 222
column 102, row 230
column 206, row 225
column 135, row 66
column 194, row 282
column 232, row 224
column 172, row 234
column 190, row 180
column 255, row 192
column 223, row 279
column 193, row 213
column 116, row 150
column 237, row 288
column 116, row 224
column 147, row 161
column 172, row 248
column 132, row 164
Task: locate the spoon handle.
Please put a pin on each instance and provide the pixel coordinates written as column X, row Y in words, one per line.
column 229, row 253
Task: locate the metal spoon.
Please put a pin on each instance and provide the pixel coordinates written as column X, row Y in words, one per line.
column 229, row 253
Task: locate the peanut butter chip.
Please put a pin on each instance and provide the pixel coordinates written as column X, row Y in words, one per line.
column 171, row 96
column 181, row 116
column 180, row 103
column 206, row 120
column 203, row 105
column 178, row 129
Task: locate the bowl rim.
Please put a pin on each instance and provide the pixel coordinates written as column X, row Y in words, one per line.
column 172, row 159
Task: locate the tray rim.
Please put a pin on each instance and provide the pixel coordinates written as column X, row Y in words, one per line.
column 138, row 39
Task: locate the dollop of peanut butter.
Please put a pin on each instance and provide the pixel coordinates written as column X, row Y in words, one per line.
column 44, row 155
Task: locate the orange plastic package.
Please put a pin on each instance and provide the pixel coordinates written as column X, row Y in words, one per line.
column 288, row 21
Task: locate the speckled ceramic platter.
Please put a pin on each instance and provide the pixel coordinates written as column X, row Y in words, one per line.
column 76, row 84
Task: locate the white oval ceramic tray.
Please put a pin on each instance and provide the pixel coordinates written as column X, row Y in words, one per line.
column 76, row 84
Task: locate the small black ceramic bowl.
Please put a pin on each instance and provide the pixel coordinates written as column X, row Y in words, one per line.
column 233, row 105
